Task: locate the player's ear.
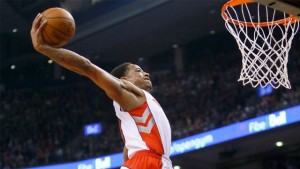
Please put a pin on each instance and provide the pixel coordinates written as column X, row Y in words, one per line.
column 124, row 78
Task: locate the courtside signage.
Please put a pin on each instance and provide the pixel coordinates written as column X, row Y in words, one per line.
column 92, row 129
column 198, row 141
column 237, row 130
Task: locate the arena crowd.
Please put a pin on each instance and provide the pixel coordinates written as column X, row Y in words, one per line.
column 44, row 125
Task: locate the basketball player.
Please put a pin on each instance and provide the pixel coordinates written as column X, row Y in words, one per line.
column 144, row 126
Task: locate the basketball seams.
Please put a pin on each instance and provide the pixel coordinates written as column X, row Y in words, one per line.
column 60, row 27
column 50, row 12
column 57, row 17
column 58, row 30
column 61, row 18
column 47, row 36
column 52, row 42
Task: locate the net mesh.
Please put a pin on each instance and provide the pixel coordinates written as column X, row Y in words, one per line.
column 263, row 42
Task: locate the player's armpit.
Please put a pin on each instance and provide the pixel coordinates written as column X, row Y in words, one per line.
column 125, row 154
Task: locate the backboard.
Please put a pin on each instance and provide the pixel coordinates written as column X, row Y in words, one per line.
column 289, row 6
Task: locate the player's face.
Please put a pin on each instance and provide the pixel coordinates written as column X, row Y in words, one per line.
column 137, row 76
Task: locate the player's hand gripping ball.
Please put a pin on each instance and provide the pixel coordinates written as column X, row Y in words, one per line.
column 60, row 27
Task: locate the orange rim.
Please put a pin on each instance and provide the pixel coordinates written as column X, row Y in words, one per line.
column 232, row 3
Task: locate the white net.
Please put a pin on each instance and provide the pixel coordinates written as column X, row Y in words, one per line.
column 264, row 37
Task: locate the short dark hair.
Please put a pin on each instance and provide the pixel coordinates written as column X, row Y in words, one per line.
column 120, row 70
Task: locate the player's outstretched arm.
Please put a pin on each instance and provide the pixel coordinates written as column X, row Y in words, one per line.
column 65, row 58
column 114, row 87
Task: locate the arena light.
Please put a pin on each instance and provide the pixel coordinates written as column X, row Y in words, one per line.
column 279, row 144
column 176, row 167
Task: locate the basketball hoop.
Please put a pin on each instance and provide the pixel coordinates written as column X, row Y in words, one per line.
column 264, row 36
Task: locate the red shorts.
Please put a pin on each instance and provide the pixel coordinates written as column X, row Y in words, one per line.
column 144, row 159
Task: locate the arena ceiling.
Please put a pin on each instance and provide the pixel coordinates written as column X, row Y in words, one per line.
column 140, row 28
column 128, row 31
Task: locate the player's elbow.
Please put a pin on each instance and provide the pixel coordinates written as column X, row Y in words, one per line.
column 87, row 67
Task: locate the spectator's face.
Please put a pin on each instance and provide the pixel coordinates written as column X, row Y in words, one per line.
column 137, row 76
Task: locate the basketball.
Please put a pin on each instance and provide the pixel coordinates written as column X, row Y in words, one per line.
column 60, row 27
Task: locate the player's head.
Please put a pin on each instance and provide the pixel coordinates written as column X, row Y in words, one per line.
column 134, row 74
